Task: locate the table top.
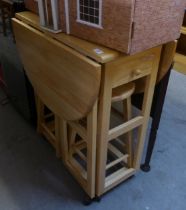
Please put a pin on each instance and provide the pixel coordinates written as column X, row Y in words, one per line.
column 65, row 80
column 94, row 51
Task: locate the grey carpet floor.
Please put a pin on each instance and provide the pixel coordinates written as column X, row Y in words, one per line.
column 32, row 178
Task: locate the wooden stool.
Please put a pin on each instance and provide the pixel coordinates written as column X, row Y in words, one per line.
column 119, row 152
column 6, row 13
column 48, row 125
column 116, row 148
column 123, row 93
column 78, row 148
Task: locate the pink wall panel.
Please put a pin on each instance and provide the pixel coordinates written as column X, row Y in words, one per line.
column 156, row 22
column 31, row 5
column 117, row 21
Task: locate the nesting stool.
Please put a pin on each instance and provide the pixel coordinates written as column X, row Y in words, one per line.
column 78, row 146
column 48, row 125
column 79, row 151
column 119, row 142
column 123, row 93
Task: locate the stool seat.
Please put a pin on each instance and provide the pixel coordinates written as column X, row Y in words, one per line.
column 122, row 92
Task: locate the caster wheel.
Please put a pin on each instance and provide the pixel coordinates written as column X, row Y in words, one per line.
column 145, row 168
column 97, row 198
column 87, row 201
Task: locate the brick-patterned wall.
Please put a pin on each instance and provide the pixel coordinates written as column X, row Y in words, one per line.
column 31, row 5
column 156, row 22
column 116, row 23
column 184, row 21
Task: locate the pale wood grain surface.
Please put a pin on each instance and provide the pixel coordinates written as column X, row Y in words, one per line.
column 183, row 30
column 64, row 80
column 69, row 82
column 180, row 63
column 166, row 60
column 96, row 52
column 119, row 72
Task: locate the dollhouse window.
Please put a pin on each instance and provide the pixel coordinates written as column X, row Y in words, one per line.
column 90, row 12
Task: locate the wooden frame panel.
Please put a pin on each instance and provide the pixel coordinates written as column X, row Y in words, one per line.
column 111, row 73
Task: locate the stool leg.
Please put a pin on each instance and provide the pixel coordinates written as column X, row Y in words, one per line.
column 146, row 107
column 88, row 134
column 72, row 138
column 63, row 139
column 127, row 110
column 57, row 135
column 40, row 114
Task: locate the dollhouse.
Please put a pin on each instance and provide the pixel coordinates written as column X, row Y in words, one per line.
column 129, row 26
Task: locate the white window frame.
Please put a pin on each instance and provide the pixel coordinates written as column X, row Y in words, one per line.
column 89, row 23
column 44, row 12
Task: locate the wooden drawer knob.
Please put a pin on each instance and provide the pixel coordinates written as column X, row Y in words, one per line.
column 137, row 72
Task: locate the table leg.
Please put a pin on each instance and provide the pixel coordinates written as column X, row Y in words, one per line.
column 102, row 132
column 158, row 103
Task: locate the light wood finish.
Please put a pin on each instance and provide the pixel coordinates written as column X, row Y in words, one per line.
column 167, row 57
column 125, row 127
column 122, row 92
column 91, row 150
column 116, row 73
column 118, row 177
column 84, row 47
column 180, row 63
column 131, row 68
column 85, row 176
column 81, row 130
column 64, row 80
column 87, row 48
column 113, row 163
column 70, row 84
column 127, row 112
column 48, row 126
column 183, row 30
column 103, row 129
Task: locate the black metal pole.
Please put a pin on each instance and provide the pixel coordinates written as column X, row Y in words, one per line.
column 156, row 111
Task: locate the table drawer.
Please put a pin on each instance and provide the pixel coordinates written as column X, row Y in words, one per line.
column 131, row 68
